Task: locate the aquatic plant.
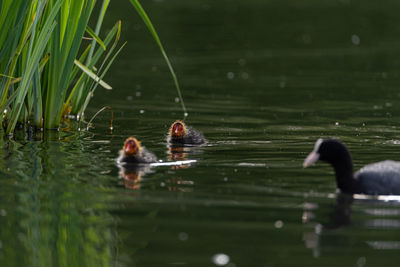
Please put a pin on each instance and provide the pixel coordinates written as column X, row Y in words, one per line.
column 43, row 78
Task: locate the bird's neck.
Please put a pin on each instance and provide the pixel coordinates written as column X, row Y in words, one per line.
column 344, row 175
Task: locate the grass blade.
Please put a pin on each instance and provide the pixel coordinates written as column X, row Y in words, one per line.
column 92, row 75
column 153, row 32
column 95, row 37
column 104, row 7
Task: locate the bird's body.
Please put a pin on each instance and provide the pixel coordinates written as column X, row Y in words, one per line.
column 134, row 153
column 180, row 134
column 381, row 178
column 145, row 157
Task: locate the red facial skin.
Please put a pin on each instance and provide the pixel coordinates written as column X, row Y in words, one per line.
column 178, row 129
column 131, row 146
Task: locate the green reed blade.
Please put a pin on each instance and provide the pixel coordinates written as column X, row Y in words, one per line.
column 18, row 35
column 39, row 44
column 113, row 46
column 153, row 32
column 103, row 10
column 28, row 75
column 115, row 31
column 81, row 59
column 101, row 77
column 63, row 65
column 32, row 64
column 92, row 75
column 79, row 92
column 90, row 87
column 37, row 100
column 95, row 37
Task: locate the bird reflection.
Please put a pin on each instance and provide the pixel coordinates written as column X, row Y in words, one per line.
column 132, row 174
column 182, row 153
column 177, row 153
column 340, row 216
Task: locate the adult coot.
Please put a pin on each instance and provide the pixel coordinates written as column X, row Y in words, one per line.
column 134, row 152
column 381, row 178
column 180, row 134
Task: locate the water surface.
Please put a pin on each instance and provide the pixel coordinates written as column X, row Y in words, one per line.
column 262, row 80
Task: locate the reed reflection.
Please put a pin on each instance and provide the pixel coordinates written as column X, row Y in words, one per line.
column 50, row 216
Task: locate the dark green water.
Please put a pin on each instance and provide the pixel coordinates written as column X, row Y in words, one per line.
column 262, row 80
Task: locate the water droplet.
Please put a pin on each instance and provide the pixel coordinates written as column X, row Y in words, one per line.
column 225, row 179
column 220, row 259
column 141, row 111
column 183, row 236
column 185, row 114
column 162, row 184
column 242, row 62
column 230, row 75
column 336, row 123
column 355, row 39
column 307, row 216
column 138, row 94
column 361, row 261
column 176, row 99
column 129, row 98
column 278, row 224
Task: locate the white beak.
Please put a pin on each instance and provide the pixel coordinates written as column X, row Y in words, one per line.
column 311, row 159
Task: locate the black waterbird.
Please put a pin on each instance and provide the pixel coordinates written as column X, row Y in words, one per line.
column 380, row 178
column 134, row 153
column 180, row 134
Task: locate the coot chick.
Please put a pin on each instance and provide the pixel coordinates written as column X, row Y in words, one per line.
column 180, row 134
column 381, row 178
column 134, row 153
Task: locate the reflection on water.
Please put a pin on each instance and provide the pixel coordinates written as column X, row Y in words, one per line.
column 341, row 217
column 132, row 174
column 384, row 244
column 262, row 80
column 46, row 213
column 178, row 153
